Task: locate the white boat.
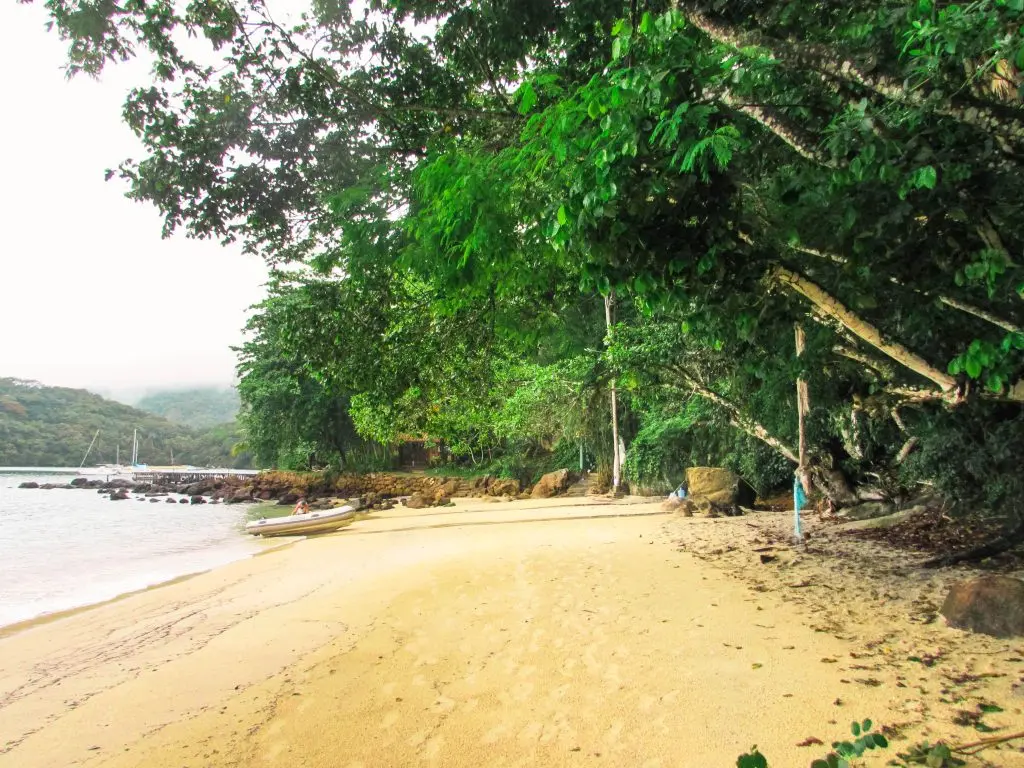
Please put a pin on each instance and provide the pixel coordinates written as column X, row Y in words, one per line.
column 297, row 525
column 117, row 469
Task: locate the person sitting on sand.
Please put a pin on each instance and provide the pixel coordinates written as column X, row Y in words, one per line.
column 302, row 508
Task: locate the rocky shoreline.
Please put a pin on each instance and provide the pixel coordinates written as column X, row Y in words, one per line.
column 375, row 490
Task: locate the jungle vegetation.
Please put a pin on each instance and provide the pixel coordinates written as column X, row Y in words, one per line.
column 487, row 218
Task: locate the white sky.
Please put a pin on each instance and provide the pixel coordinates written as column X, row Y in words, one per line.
column 90, row 295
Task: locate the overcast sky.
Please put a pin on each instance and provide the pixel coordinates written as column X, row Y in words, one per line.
column 90, row 295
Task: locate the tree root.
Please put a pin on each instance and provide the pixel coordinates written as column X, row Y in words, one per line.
column 994, row 547
column 976, row 747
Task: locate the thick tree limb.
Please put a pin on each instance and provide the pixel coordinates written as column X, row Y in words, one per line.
column 831, row 307
column 949, row 301
column 777, row 123
column 995, row 119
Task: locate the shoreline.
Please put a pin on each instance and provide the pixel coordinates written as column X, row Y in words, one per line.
column 7, row 630
column 530, row 633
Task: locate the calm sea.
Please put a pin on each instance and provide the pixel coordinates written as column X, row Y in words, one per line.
column 61, row 549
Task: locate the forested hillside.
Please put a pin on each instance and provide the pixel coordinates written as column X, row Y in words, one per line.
column 523, row 228
column 53, row 426
column 199, row 408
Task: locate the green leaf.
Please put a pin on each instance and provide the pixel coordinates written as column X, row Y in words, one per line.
column 926, row 177
column 880, row 741
column 990, row 708
column 866, row 725
column 973, row 367
column 645, row 22
column 855, row 728
column 563, row 217
column 527, row 98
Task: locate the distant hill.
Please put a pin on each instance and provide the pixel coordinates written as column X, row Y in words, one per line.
column 198, row 408
column 53, row 426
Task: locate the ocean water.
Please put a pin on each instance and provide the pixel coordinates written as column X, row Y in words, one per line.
column 61, row 549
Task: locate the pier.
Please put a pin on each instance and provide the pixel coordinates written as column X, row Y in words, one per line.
column 185, row 475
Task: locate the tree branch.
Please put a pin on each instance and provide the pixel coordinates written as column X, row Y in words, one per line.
column 740, row 420
column 832, row 308
column 994, row 119
column 777, row 123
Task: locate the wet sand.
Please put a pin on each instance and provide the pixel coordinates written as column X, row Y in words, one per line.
column 559, row 633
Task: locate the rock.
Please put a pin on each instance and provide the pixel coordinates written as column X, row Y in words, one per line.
column 552, row 484
column 119, row 495
column 155, row 501
column 167, row 501
column 503, row 487
column 197, row 500
column 29, row 484
column 183, row 501
column 991, row 605
column 239, row 497
column 80, row 482
column 712, row 483
column 868, row 510
column 418, row 501
column 288, row 498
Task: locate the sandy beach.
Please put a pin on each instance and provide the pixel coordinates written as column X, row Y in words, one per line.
column 557, row 633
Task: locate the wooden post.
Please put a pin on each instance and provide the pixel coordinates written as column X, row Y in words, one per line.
column 803, row 405
column 609, row 302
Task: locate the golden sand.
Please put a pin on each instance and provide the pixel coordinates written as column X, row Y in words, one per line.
column 552, row 633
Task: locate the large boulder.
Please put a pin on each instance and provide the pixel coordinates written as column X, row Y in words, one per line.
column 29, row 484
column 196, row 500
column 418, row 501
column 119, row 495
column 992, row 605
column 79, row 482
column 712, row 483
column 288, row 498
column 552, row 484
column 503, row 487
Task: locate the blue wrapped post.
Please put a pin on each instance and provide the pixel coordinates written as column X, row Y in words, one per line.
column 799, row 499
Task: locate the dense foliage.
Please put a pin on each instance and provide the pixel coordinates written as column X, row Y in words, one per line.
column 53, row 427
column 494, row 214
column 200, row 408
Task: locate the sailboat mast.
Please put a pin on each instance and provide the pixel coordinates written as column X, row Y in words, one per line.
column 89, row 449
column 135, row 447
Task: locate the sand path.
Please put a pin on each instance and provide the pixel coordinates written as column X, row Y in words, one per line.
column 527, row 633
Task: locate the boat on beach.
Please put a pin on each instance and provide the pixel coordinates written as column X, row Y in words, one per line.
column 310, row 522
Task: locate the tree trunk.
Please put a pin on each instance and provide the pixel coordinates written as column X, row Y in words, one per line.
column 609, row 301
column 803, row 406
